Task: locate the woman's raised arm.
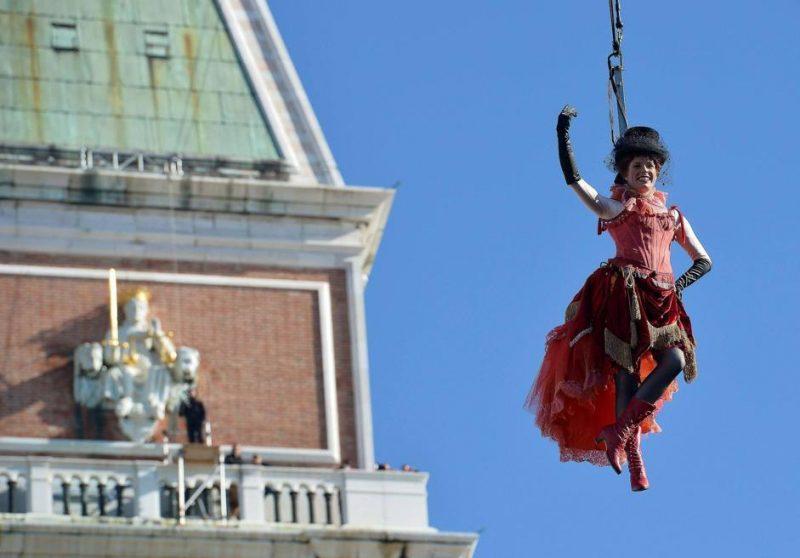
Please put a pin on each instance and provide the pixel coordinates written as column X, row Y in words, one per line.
column 603, row 207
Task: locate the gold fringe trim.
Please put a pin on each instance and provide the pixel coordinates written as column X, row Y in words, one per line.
column 619, row 350
column 690, row 370
column 572, row 310
column 666, row 336
column 670, row 335
column 629, row 274
column 636, row 312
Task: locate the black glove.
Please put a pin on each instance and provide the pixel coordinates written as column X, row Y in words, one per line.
column 700, row 267
column 565, row 154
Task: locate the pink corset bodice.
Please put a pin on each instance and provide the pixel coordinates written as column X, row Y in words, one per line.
column 642, row 232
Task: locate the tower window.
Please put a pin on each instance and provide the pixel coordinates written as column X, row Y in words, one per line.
column 64, row 35
column 156, row 43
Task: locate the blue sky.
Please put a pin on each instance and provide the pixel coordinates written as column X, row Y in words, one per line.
column 457, row 102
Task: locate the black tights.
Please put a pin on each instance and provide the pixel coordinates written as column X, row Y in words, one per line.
column 670, row 362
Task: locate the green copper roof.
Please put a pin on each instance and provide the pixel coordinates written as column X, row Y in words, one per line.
column 154, row 75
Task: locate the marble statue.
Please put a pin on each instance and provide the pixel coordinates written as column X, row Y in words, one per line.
column 184, row 377
column 137, row 371
column 95, row 385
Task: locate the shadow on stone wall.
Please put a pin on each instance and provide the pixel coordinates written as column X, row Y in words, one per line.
column 61, row 340
column 47, row 381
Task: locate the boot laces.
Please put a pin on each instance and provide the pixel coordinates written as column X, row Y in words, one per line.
column 635, row 461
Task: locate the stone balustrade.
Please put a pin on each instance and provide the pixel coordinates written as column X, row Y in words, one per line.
column 94, row 479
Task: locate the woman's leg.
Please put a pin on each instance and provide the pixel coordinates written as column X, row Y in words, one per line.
column 641, row 405
column 626, row 385
column 670, row 362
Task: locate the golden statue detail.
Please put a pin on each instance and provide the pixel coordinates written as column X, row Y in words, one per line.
column 143, row 376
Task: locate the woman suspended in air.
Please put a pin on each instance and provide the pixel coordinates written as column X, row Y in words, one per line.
column 613, row 363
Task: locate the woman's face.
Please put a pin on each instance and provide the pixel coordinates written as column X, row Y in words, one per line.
column 641, row 174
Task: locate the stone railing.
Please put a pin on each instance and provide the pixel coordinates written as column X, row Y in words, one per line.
column 260, row 494
column 385, row 499
column 78, row 486
column 126, row 480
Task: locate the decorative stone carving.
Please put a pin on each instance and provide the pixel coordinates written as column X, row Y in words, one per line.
column 95, row 386
column 184, row 377
column 137, row 371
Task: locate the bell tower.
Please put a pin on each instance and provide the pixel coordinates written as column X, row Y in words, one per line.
column 172, row 142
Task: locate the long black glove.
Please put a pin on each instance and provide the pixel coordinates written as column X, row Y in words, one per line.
column 565, row 154
column 700, row 267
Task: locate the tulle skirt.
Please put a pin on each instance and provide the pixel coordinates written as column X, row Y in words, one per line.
column 615, row 322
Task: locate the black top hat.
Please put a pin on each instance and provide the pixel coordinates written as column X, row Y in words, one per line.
column 640, row 140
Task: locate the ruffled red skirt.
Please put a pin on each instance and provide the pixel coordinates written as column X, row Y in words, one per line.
column 616, row 321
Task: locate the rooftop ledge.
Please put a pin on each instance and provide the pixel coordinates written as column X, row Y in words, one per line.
column 200, row 193
column 329, row 223
column 141, row 161
column 31, row 535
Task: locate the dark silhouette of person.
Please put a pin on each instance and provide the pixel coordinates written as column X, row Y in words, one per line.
column 195, row 413
column 235, row 456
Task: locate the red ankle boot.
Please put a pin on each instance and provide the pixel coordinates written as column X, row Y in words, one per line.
column 633, row 450
column 615, row 435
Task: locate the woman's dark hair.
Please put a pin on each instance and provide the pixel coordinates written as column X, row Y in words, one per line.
column 621, row 163
column 635, row 142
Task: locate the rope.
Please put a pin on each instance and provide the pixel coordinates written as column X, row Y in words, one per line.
column 616, row 91
column 205, row 21
column 187, row 107
column 201, row 70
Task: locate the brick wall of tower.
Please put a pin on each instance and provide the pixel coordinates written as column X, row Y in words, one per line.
column 261, row 366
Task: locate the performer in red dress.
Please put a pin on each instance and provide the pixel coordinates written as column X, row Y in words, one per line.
column 612, row 364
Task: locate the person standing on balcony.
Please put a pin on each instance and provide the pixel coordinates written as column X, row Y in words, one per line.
column 194, row 412
column 235, row 456
column 626, row 336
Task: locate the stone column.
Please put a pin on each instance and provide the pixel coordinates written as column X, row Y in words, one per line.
column 359, row 356
column 147, row 500
column 385, row 500
column 251, row 494
column 40, row 487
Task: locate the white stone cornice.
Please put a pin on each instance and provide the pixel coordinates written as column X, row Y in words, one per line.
column 209, row 219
